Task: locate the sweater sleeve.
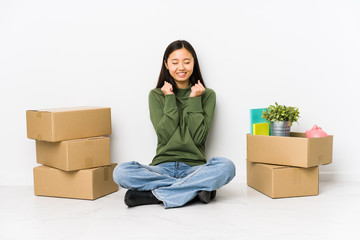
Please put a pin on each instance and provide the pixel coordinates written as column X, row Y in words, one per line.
column 164, row 115
column 200, row 116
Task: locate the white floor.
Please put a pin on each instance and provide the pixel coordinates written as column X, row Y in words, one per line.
column 238, row 212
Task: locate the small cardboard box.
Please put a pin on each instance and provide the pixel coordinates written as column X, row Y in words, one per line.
column 60, row 124
column 83, row 184
column 75, row 154
column 296, row 150
column 281, row 181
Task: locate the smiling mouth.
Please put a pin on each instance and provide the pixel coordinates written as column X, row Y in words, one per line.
column 182, row 74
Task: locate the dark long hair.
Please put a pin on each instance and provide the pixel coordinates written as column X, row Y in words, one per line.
column 164, row 73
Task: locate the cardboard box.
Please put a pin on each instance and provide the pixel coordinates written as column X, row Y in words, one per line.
column 60, row 124
column 75, row 154
column 83, row 184
column 296, row 150
column 281, row 181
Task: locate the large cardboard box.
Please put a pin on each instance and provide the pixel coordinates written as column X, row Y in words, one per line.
column 296, row 150
column 282, row 181
column 83, row 184
column 75, row 154
column 60, row 124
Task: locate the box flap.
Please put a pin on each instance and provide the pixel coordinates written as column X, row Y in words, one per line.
column 297, row 134
column 86, row 139
column 272, row 166
column 69, row 109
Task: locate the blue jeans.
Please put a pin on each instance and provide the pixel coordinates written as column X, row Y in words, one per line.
column 175, row 183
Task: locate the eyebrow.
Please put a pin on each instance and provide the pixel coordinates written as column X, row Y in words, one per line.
column 175, row 59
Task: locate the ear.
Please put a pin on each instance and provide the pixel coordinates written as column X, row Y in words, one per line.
column 167, row 67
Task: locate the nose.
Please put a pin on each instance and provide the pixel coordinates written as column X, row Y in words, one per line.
column 181, row 65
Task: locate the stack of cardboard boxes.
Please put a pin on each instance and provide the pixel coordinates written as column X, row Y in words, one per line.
column 286, row 166
column 74, row 148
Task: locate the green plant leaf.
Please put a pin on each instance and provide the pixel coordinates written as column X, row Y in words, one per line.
column 281, row 113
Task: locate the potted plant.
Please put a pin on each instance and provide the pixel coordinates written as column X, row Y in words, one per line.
column 281, row 118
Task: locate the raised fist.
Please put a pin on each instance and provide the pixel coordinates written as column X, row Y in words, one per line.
column 197, row 89
column 167, row 88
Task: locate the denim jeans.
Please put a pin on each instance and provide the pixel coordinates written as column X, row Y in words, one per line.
column 175, row 183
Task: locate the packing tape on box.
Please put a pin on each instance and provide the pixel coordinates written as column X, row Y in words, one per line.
column 89, row 162
column 106, row 174
column 38, row 114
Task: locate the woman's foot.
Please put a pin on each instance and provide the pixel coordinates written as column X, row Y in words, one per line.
column 206, row 196
column 135, row 198
column 213, row 195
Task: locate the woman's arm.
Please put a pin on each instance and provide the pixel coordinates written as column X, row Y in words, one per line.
column 200, row 115
column 164, row 115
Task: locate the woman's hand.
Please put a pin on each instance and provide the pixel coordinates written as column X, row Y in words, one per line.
column 167, row 88
column 197, row 89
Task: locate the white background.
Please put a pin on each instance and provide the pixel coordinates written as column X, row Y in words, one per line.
column 252, row 53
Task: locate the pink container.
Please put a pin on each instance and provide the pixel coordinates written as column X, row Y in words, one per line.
column 315, row 132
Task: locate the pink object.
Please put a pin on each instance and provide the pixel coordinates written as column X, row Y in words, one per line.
column 315, row 132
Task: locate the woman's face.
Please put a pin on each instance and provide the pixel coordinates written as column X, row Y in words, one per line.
column 180, row 65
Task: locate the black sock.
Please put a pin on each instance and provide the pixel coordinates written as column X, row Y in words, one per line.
column 135, row 198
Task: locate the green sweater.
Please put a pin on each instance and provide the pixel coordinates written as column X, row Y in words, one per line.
column 181, row 124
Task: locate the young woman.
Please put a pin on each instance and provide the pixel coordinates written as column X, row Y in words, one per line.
column 181, row 111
